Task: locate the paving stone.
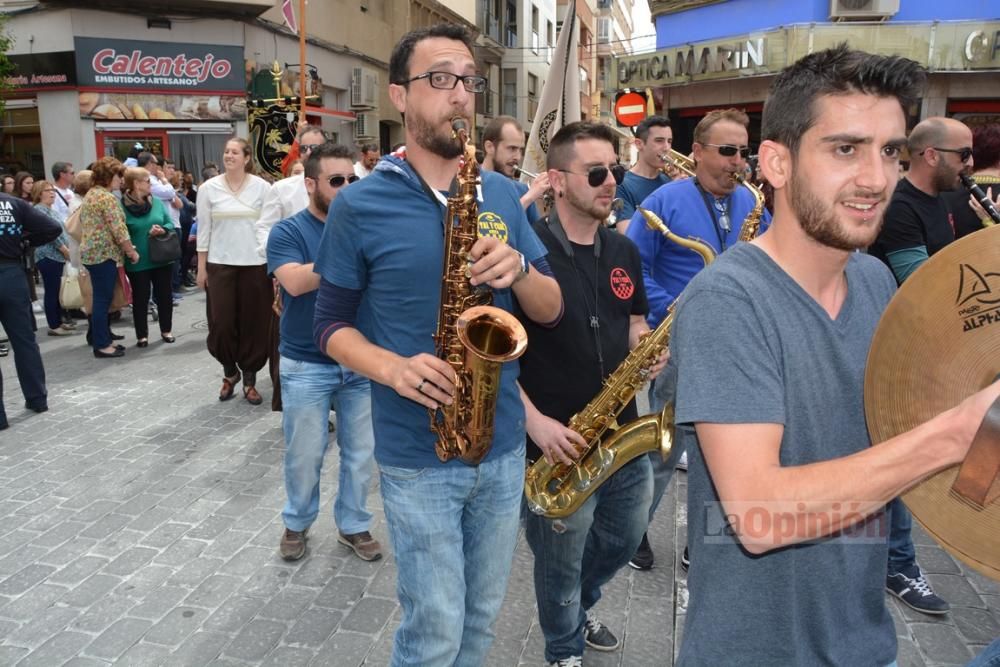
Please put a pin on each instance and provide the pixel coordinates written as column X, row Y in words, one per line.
column 130, row 561
column 908, row 655
column 29, row 606
column 57, row 650
column 369, row 615
column 59, row 534
column 313, row 627
column 213, row 591
column 233, row 614
column 165, row 535
column 341, row 592
column 78, row 570
column 228, row 543
column 344, row 649
column 255, row 641
column 180, row 552
column 286, row 656
column 25, row 579
column 956, row 590
column 267, row 582
column 106, row 526
column 91, row 590
column 11, row 654
column 198, row 649
column 159, row 602
column 118, row 638
column 176, row 626
column 143, row 654
column 66, row 553
column 144, row 582
column 288, row 604
column 195, row 572
column 86, row 662
column 248, row 560
column 41, row 626
column 103, row 613
column 976, row 625
column 940, row 643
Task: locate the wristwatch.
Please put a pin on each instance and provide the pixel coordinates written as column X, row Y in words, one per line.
column 523, row 273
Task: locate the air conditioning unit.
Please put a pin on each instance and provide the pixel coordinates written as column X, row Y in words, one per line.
column 365, row 125
column 862, row 10
column 364, row 87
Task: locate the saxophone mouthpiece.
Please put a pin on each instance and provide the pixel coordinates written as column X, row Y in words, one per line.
column 460, row 128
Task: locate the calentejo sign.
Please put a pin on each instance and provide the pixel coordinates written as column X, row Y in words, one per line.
column 692, row 62
column 113, row 63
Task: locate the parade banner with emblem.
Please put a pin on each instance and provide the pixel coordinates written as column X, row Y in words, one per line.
column 560, row 102
column 272, row 131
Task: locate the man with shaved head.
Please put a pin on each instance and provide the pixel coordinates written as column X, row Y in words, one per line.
column 918, row 223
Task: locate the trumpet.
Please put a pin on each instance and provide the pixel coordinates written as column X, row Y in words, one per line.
column 678, row 161
column 518, row 171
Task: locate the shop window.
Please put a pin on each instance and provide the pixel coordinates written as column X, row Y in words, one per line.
column 21, row 141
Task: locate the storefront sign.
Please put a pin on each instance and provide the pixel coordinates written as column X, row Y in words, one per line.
column 982, row 46
column 43, row 70
column 115, row 63
column 147, row 106
column 692, row 62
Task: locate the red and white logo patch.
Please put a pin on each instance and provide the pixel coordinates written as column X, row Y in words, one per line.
column 621, row 284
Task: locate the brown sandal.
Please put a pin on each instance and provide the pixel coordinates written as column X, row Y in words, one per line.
column 228, row 387
column 252, row 395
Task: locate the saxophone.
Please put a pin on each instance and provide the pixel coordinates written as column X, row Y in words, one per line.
column 558, row 490
column 474, row 337
column 751, row 224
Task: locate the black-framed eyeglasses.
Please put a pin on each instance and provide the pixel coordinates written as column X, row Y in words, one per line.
column 339, row 181
column 473, row 83
column 308, row 148
column 728, row 150
column 597, row 175
column 963, row 153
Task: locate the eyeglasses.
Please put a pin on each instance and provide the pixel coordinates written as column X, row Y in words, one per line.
column 597, row 175
column 473, row 83
column 308, row 148
column 963, row 153
column 728, row 150
column 724, row 217
column 338, row 181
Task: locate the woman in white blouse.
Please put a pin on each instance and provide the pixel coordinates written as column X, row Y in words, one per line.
column 232, row 271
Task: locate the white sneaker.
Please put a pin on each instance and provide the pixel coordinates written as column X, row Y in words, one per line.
column 572, row 661
column 37, row 307
column 682, row 463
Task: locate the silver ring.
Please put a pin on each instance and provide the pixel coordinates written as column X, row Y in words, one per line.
column 421, row 385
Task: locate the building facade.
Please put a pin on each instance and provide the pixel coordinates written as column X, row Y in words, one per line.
column 721, row 53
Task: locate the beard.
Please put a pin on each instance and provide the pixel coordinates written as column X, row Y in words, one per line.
column 321, row 202
column 591, row 208
column 819, row 221
column 945, row 178
column 430, row 138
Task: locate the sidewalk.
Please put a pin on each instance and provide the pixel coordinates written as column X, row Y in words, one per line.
column 141, row 519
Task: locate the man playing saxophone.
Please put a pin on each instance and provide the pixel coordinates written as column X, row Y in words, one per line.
column 710, row 207
column 452, row 526
column 599, row 273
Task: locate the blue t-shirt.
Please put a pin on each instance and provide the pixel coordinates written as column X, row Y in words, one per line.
column 634, row 190
column 532, row 210
column 384, row 236
column 667, row 267
column 295, row 240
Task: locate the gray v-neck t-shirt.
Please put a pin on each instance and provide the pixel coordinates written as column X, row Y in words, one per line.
column 751, row 346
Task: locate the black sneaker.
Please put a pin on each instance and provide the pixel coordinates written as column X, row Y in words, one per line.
column 643, row 558
column 685, row 560
column 572, row 661
column 915, row 591
column 597, row 635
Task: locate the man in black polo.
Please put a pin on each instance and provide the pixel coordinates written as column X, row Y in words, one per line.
column 20, row 223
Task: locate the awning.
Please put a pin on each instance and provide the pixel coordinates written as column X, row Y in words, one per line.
column 343, row 115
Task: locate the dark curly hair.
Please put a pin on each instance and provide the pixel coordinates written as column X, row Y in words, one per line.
column 986, row 146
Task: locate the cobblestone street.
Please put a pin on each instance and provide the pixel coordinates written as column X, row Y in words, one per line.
column 141, row 519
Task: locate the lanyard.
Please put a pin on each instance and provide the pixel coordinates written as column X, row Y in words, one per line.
column 712, row 214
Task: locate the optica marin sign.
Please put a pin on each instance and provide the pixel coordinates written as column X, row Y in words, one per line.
column 116, row 63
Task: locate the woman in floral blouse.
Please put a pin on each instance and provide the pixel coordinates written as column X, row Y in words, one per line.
column 49, row 259
column 105, row 242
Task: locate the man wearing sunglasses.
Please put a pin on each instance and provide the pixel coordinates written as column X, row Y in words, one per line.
column 562, row 370
column 709, row 207
column 312, row 383
column 917, row 224
column 453, row 526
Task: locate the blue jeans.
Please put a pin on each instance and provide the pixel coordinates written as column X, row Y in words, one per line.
column 453, row 530
column 902, row 553
column 577, row 555
column 308, row 390
column 102, row 281
column 16, row 317
column 660, row 393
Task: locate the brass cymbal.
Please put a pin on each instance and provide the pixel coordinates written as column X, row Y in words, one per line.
column 937, row 343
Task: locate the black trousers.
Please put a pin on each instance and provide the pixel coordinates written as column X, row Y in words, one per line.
column 17, row 319
column 160, row 281
column 239, row 315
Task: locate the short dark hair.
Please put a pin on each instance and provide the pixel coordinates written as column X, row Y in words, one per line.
column 399, row 62
column 165, row 161
column 327, row 150
column 144, row 158
column 790, row 109
column 209, row 166
column 642, row 130
column 368, row 148
column 494, row 128
column 562, row 145
column 986, row 145
column 60, row 168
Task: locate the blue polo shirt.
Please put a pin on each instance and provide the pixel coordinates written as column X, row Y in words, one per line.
column 384, row 237
column 295, row 240
column 634, row 189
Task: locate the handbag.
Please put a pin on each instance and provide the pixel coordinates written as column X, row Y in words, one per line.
column 120, row 297
column 70, row 295
column 73, row 225
column 164, row 248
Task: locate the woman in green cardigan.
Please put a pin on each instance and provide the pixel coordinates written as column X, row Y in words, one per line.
column 146, row 216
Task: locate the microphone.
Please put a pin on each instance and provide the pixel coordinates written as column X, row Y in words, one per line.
column 981, row 197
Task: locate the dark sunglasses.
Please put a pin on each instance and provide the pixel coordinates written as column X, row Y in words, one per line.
column 597, row 175
column 963, row 153
column 338, row 181
column 308, row 148
column 728, row 150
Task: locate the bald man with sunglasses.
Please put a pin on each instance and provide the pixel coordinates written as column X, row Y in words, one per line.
column 710, row 207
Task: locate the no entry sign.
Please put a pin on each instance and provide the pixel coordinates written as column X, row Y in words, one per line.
column 630, row 109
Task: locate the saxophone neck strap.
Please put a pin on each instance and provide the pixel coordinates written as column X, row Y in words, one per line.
column 555, row 227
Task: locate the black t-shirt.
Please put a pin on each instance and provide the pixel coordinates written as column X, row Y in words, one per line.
column 562, row 370
column 913, row 219
column 19, row 220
